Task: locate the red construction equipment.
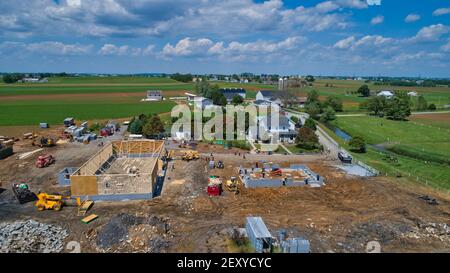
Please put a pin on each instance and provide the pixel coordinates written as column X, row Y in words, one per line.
column 45, row 161
column 277, row 172
column 214, row 186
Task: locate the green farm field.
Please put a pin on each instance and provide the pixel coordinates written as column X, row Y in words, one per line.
column 88, row 98
column 343, row 89
column 421, row 151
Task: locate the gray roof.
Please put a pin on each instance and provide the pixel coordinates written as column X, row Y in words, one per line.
column 232, row 91
column 259, row 229
column 284, row 122
column 230, row 96
column 269, row 93
column 261, row 102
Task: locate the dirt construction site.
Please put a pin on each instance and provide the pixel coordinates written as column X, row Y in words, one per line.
column 343, row 215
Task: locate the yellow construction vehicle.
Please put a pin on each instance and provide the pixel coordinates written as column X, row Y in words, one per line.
column 232, row 185
column 55, row 202
column 190, row 155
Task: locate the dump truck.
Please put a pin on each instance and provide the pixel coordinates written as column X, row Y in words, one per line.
column 44, row 161
column 214, row 186
column 55, row 202
column 190, row 155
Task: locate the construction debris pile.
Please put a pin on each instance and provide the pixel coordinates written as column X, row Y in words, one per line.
column 132, row 233
column 31, row 237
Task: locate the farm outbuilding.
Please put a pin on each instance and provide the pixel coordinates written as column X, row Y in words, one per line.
column 259, row 235
column 154, row 95
column 122, row 170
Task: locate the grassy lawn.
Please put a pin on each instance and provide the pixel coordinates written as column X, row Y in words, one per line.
column 296, row 150
column 415, row 158
column 402, row 137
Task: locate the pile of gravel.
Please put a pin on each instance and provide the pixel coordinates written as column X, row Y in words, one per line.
column 116, row 230
column 31, row 237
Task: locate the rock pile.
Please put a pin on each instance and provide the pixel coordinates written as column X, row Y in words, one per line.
column 31, row 237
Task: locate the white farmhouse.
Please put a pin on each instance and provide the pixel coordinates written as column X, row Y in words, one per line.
column 386, row 93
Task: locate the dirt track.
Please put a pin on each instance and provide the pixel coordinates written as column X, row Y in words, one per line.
column 340, row 217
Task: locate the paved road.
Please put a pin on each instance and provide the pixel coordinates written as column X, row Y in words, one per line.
column 331, row 146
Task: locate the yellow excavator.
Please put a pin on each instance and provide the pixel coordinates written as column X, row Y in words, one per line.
column 232, row 185
column 55, row 202
column 190, row 155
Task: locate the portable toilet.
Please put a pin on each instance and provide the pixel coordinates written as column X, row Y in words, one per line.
column 43, row 125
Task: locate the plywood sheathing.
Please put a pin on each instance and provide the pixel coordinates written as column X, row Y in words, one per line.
column 84, row 185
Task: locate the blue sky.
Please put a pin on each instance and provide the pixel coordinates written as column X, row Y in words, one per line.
column 320, row 37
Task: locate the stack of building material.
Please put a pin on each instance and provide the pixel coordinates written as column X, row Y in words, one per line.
column 296, row 245
column 28, row 154
column 28, row 136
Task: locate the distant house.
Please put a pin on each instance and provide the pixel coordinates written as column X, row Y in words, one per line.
column 154, row 95
column 33, row 80
column 230, row 93
column 190, row 97
column 387, row 94
column 202, row 103
column 261, row 103
column 284, row 131
column 269, row 96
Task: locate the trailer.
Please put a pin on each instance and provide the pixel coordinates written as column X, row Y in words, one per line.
column 69, row 122
column 5, row 151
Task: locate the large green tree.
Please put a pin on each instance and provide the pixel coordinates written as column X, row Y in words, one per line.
column 357, row 144
column 237, row 100
column 398, row 108
column 307, row 139
column 328, row 115
column 153, row 127
column 311, row 124
column 335, row 103
column 422, row 103
column 364, row 90
column 376, row 105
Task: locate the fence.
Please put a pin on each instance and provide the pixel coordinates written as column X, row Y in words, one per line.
column 411, row 175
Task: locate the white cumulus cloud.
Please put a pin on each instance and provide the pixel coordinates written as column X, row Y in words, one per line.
column 441, row 11
column 377, row 20
column 411, row 18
